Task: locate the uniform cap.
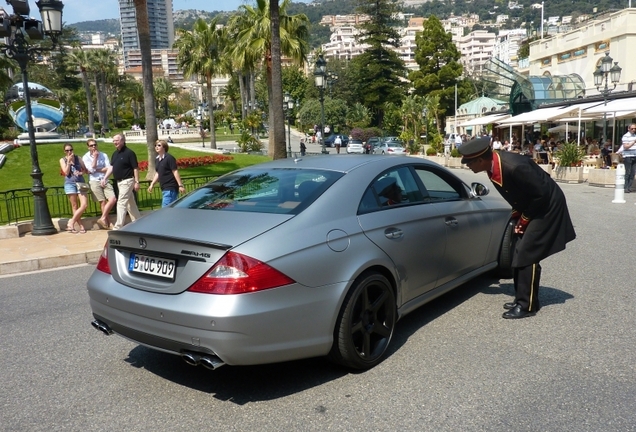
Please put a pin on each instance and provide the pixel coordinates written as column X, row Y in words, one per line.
column 474, row 148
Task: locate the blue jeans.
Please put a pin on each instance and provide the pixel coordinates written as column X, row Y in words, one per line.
column 168, row 197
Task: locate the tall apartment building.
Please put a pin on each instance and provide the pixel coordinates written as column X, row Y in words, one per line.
column 161, row 26
column 507, row 46
column 476, row 49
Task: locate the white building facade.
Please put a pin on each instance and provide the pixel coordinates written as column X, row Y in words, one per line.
column 581, row 50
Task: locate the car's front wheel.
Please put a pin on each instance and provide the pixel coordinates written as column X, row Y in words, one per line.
column 365, row 324
column 507, row 250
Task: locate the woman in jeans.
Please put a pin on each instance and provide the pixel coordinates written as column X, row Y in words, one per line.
column 72, row 168
column 166, row 174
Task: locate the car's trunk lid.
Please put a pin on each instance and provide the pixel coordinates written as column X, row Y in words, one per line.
column 170, row 249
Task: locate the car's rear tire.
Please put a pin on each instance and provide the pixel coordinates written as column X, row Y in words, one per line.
column 506, row 251
column 365, row 324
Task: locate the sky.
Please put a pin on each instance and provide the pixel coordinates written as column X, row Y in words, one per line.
column 87, row 10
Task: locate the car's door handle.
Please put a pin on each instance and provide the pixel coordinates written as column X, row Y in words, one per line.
column 451, row 222
column 393, row 233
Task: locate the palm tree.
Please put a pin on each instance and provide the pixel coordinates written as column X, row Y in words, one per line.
column 82, row 60
column 163, row 90
column 103, row 65
column 200, row 54
column 231, row 92
column 143, row 29
column 257, row 38
column 132, row 92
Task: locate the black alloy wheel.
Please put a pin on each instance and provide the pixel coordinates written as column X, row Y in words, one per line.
column 366, row 323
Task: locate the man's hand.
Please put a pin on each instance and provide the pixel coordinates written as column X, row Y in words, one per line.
column 521, row 226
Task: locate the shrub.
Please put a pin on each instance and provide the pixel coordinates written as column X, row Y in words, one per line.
column 431, row 151
column 570, row 155
column 248, row 143
column 455, row 153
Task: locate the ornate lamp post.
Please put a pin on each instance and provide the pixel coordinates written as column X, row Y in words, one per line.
column 19, row 32
column 604, row 73
column 288, row 108
column 320, row 75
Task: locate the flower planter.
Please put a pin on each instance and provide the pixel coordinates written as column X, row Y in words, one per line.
column 547, row 168
column 568, row 174
column 441, row 160
column 454, row 162
column 602, row 177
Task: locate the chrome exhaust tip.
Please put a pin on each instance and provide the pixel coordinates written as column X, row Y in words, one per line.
column 102, row 327
column 211, row 362
column 191, row 358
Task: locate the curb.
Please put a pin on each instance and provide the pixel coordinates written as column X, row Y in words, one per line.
column 35, row 264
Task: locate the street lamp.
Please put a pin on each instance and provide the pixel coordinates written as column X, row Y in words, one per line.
column 332, row 78
column 606, row 72
column 19, row 31
column 288, row 107
column 320, row 75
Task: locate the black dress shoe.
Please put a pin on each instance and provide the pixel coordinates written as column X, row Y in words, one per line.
column 517, row 312
column 510, row 305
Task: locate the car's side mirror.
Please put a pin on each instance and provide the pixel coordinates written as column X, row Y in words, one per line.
column 479, row 189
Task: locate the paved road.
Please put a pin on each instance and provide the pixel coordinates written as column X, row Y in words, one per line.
column 455, row 365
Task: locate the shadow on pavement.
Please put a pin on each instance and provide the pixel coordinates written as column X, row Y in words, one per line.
column 244, row 384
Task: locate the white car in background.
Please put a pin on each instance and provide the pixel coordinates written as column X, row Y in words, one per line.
column 355, row 146
column 390, row 148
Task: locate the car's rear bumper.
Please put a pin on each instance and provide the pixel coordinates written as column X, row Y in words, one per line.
column 269, row 326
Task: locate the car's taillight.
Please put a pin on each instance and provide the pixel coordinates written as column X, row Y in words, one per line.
column 235, row 274
column 102, row 264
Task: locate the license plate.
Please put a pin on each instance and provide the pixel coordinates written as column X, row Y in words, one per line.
column 150, row 265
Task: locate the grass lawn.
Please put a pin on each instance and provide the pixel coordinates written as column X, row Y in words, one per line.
column 15, row 173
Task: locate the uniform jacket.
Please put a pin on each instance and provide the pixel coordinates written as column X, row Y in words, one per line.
column 530, row 190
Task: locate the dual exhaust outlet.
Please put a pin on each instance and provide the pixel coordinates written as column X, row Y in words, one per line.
column 102, row 327
column 193, row 359
column 208, row 361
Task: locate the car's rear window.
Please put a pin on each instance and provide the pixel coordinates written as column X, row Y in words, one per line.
column 284, row 191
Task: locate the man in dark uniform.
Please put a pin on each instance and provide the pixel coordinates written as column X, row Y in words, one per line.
column 538, row 205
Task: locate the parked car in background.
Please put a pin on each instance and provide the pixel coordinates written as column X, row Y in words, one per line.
column 390, row 148
column 355, row 146
column 330, row 139
column 371, row 144
column 394, row 240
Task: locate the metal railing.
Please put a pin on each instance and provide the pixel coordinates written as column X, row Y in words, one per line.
column 17, row 205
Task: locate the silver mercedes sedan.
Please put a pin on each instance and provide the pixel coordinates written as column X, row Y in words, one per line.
column 298, row 258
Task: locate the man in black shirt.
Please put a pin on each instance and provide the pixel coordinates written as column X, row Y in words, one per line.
column 125, row 170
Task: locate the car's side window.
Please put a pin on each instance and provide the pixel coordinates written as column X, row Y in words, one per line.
column 438, row 188
column 394, row 187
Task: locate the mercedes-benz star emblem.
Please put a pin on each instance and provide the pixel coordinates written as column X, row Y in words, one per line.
column 142, row 243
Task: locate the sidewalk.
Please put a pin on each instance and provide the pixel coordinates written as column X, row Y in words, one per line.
column 30, row 253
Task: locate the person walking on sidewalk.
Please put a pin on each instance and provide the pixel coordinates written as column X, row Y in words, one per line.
column 73, row 167
column 97, row 164
column 125, row 170
column 338, row 143
column 629, row 156
column 166, row 174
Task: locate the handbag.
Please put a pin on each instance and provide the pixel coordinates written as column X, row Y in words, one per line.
column 83, row 187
